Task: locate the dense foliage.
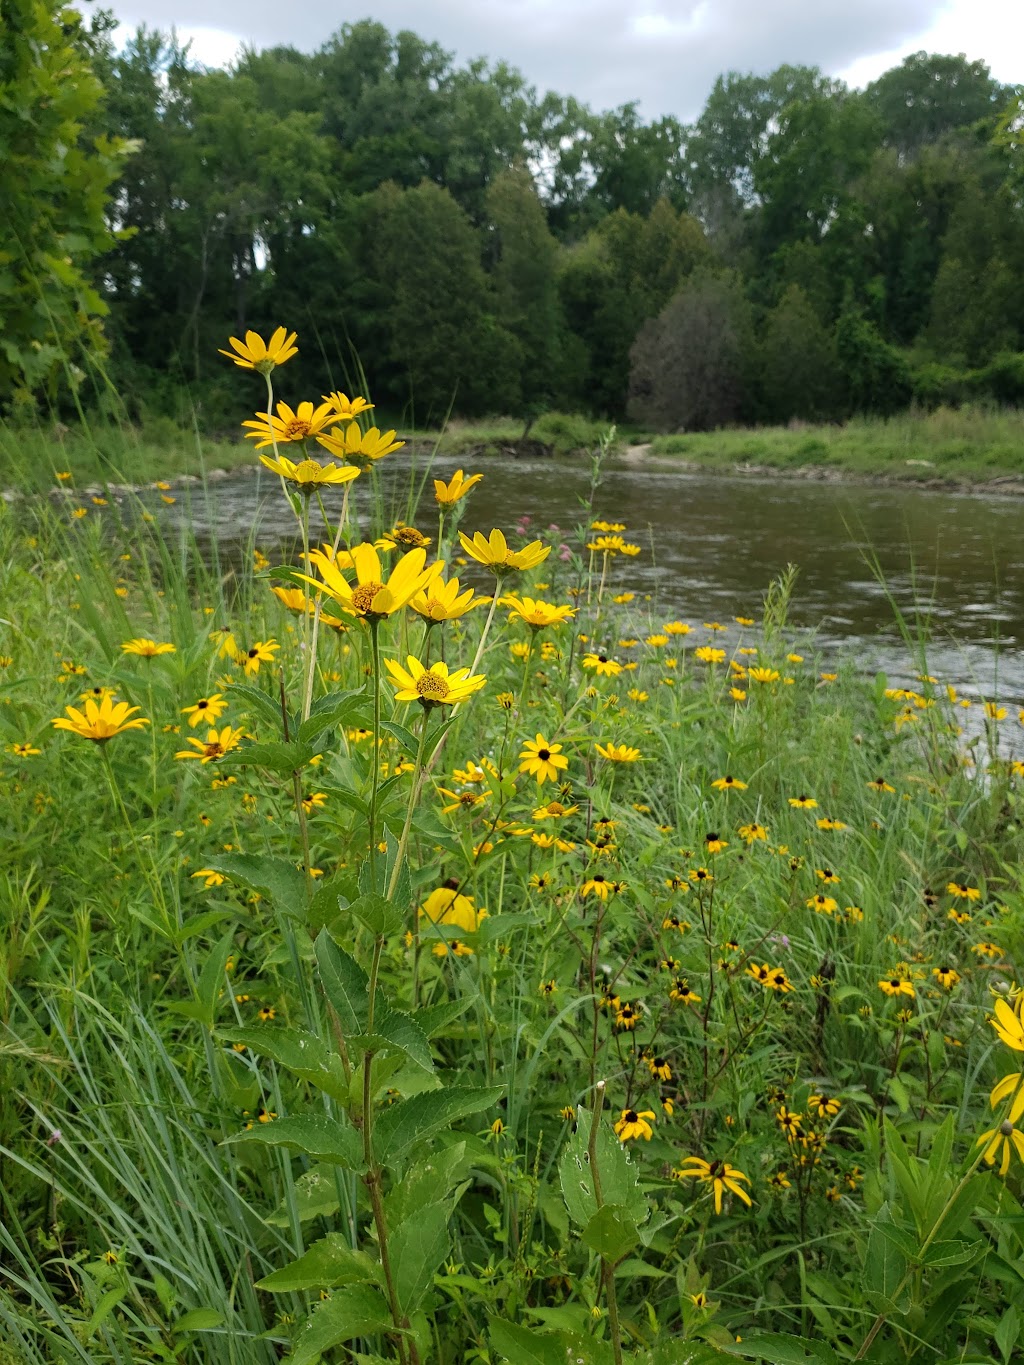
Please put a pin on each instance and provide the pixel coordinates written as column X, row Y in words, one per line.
column 500, row 251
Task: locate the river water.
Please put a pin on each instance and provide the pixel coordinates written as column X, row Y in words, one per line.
column 712, row 543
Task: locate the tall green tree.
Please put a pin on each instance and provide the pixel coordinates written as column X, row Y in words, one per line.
column 799, row 368
column 56, row 183
column 928, row 96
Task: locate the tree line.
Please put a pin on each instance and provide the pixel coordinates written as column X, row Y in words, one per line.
column 801, row 250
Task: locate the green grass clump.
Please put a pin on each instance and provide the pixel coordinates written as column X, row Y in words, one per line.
column 638, row 1004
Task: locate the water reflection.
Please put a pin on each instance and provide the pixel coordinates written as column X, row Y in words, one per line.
column 712, row 544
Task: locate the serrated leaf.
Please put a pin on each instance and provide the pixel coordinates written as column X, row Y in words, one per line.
column 777, row 1348
column 619, row 1177
column 267, row 706
column 354, row 1311
column 381, row 916
column 344, row 982
column 326, row 1264
column 405, row 737
column 278, row 880
column 525, row 1345
column 419, row 1118
column 611, row 1232
column 316, row 1135
column 432, row 1019
column 417, row 1247
column 885, row 1266
column 327, row 713
column 314, row 1195
column 302, row 1053
column 397, row 1031
column 276, row 756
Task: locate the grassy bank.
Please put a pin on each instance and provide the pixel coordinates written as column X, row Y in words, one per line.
column 638, row 1008
column 967, row 445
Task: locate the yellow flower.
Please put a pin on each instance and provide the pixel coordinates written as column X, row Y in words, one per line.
column 729, row 784
column 360, row 447
column 372, row 598
column 803, row 802
column 262, row 652
column 309, row 475
column 288, row 424
column 947, row 977
column 1007, row 1136
column 1008, row 1026
column 23, row 750
column 448, row 494
column 676, row 628
column 442, row 601
column 763, row 675
column 602, row 665
column 448, row 906
column 718, row 1174
column 896, row 985
column 102, row 722
column 825, row 1105
column 536, row 613
column 347, row 409
column 433, row 686
column 493, row 552
column 618, row 753
column 542, row 760
column 963, row 892
column 216, row 746
column 707, row 655
column 210, row 877
column 631, row 1125
column 205, row 709
column 146, row 649
column 256, row 354
column 749, row 833
column 879, row 784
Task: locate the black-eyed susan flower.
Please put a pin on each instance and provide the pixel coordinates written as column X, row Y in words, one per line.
column 728, row 783
column 493, row 552
column 602, row 665
column 752, row 833
column 778, row 981
column 760, row 973
column 991, row 950
column 714, row 843
column 262, row 652
column 147, row 649
column 23, row 749
column 548, row 988
column 682, row 993
column 289, row 424
column 946, row 976
column 830, row 823
column 433, row 686
column 309, row 475
column 825, row 1106
column 627, row 1016
column 542, row 760
column 618, row 753
column 208, row 709
column 803, row 802
column 536, row 613
column 778, row 1180
column 256, row 354
column 100, row 722
column 632, row 1124
column 961, row 891
column 218, row 743
column 1008, row 1026
column 372, row 598
column 448, row 494
column 701, row 876
column 879, row 784
column 358, row 447
column 826, row 875
column 659, row 1068
column 789, row 1122
column 897, row 985
column 541, row 881
column 718, row 1174
column 1003, row 1141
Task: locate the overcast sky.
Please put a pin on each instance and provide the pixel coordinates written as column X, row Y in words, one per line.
column 663, row 53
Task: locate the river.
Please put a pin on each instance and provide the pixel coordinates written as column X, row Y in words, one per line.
column 712, row 543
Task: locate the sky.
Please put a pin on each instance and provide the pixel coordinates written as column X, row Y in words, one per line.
column 664, row 54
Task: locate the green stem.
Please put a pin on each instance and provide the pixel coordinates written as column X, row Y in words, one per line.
column 375, row 757
column 607, row 1269
column 414, row 792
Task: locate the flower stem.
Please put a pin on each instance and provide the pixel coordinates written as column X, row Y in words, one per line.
column 607, row 1269
column 375, row 757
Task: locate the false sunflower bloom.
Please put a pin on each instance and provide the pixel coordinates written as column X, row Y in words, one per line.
column 218, row 743
column 433, row 686
column 256, row 354
column 718, row 1174
column 448, row 494
column 360, row 447
column 310, row 475
column 493, row 552
column 100, row 722
column 448, row 906
column 542, row 760
column 535, row 613
column 441, row 601
column 147, row 649
column 618, row 753
column 347, row 409
column 371, row 598
column 289, row 424
column 633, row 1124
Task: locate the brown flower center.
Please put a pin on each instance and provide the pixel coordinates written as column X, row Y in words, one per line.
column 432, row 687
column 362, row 597
column 544, row 754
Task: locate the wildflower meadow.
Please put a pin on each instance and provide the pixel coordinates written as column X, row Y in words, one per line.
column 417, row 948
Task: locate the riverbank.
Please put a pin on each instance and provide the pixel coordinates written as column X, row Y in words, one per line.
column 965, row 450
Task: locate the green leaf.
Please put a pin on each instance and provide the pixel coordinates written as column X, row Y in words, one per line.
column 619, row 1177
column 396, row 1031
column 898, row 1094
column 405, row 737
column 345, row 984
column 329, row 1262
column 382, row 917
column 1007, row 1334
column 278, row 880
column 885, row 1266
column 417, row 1247
column 777, row 1348
column 262, row 702
column 276, row 756
column 313, row 1195
column 611, row 1232
column 419, row 1118
column 316, row 1135
column 302, row 1053
column 434, row 1018
column 331, row 711
column 211, row 985
column 357, row 1310
column 198, row 1320
column 524, row 1345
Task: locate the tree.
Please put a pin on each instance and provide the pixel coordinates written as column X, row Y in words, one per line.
column 56, row 186
column 799, row 368
column 876, row 376
column 691, row 366
column 927, row 96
